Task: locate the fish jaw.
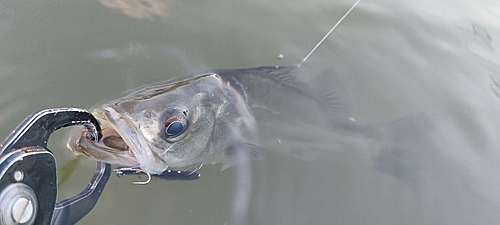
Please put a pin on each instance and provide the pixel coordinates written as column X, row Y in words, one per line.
column 138, row 152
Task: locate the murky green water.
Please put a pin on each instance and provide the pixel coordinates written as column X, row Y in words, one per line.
column 436, row 63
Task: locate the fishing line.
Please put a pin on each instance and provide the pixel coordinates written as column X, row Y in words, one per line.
column 329, row 32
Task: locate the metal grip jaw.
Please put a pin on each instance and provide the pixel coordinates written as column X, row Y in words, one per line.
column 29, row 186
column 28, row 175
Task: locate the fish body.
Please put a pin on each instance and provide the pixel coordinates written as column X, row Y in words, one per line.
column 204, row 119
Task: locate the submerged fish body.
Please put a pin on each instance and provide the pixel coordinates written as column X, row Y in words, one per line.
column 204, row 119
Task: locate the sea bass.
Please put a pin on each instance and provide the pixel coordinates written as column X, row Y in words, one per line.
column 220, row 116
column 208, row 118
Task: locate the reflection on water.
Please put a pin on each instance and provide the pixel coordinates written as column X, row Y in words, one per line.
column 139, row 9
column 397, row 60
column 130, row 52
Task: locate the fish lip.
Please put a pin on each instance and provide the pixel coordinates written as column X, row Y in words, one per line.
column 138, row 147
column 107, row 119
column 110, row 119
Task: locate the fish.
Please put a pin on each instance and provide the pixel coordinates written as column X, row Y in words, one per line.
column 209, row 118
column 231, row 116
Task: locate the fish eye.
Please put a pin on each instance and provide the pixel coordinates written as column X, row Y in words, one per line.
column 175, row 125
column 174, row 128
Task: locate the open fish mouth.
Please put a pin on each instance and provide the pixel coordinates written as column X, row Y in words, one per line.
column 115, row 146
column 122, row 143
column 114, row 141
column 110, row 149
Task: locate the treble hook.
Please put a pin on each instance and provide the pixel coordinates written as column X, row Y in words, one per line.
column 196, row 168
column 143, row 182
column 124, row 171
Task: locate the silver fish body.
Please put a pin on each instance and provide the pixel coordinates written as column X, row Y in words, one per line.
column 204, row 119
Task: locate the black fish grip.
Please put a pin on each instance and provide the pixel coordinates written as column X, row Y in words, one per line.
column 28, row 175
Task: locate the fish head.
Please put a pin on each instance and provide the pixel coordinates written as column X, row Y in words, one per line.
column 172, row 125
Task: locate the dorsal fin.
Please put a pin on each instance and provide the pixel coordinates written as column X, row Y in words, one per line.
column 285, row 76
column 325, row 88
column 332, row 96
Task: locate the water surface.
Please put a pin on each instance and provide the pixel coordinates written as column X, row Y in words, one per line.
column 436, row 63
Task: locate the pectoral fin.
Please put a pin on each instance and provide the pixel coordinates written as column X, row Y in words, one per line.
column 240, row 152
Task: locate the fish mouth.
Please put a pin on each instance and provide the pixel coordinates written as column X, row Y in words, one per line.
column 118, row 143
column 110, row 149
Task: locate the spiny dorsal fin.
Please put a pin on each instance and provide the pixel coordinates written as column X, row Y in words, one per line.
column 285, row 75
column 332, row 96
column 325, row 88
